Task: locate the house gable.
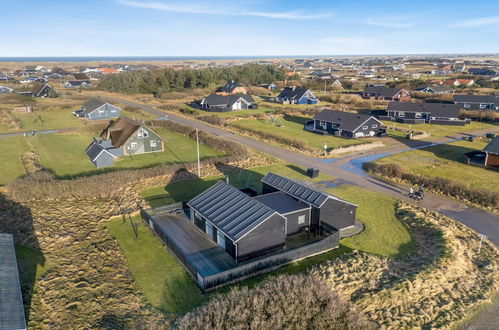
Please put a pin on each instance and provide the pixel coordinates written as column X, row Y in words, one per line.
column 143, row 140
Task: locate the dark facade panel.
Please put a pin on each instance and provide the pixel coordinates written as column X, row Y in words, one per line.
column 338, row 214
column 268, row 234
column 292, row 224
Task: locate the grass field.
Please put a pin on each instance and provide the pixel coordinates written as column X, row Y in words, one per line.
column 64, row 154
column 161, row 279
column 445, row 161
column 43, row 120
column 384, row 235
column 440, row 130
column 10, row 157
column 293, row 129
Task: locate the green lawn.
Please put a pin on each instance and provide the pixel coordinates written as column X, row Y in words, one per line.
column 11, row 150
column 292, row 128
column 44, row 120
column 64, row 154
column 440, row 130
column 445, row 161
column 161, row 279
column 384, row 235
column 238, row 113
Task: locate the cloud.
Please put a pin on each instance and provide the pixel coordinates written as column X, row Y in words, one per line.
column 478, row 22
column 215, row 10
column 388, row 23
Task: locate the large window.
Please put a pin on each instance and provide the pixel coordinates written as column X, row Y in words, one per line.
column 466, row 105
column 322, row 124
column 301, row 219
column 153, row 143
column 133, row 145
column 483, row 105
column 418, row 115
column 221, row 239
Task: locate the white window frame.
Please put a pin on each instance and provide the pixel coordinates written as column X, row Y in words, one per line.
column 466, row 105
column 483, row 105
column 142, row 133
column 401, row 114
column 134, row 145
column 418, row 115
column 301, row 219
column 365, row 127
column 375, row 126
column 153, row 142
column 322, row 124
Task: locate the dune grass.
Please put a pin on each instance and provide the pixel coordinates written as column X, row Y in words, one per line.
column 11, row 150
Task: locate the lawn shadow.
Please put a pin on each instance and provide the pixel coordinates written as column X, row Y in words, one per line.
column 28, row 253
column 297, row 169
column 296, row 119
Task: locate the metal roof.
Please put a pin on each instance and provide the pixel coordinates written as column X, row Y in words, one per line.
column 346, row 121
column 436, row 109
column 11, row 300
column 230, row 210
column 281, row 202
column 298, row 190
column 493, row 146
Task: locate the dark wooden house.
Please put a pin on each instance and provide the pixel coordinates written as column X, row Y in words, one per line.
column 420, row 113
column 325, row 210
column 95, row 109
column 225, row 103
column 347, row 124
column 386, row 93
column 296, row 95
column 477, row 102
column 488, row 157
column 41, row 90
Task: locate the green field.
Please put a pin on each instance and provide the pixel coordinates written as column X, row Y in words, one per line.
column 44, row 120
column 10, row 157
column 167, row 287
column 292, row 128
column 445, row 161
column 64, row 154
column 161, row 279
column 439, row 130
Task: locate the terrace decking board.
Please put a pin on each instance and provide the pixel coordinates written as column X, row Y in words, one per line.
column 204, row 254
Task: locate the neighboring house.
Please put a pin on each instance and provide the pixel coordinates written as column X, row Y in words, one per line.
column 36, row 80
column 438, row 90
column 386, row 93
column 249, row 227
column 287, row 83
column 347, row 124
column 41, row 90
column 95, row 109
column 337, row 84
column 477, row 102
column 5, row 90
column 123, row 137
column 459, row 82
column 296, row 95
column 420, row 113
column 232, row 87
column 81, row 76
column 77, row 84
column 482, row 72
column 224, row 103
column 4, row 76
column 488, row 157
column 11, row 299
column 271, row 87
column 53, row 76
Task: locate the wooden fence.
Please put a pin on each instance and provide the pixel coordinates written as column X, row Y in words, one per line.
column 246, row 269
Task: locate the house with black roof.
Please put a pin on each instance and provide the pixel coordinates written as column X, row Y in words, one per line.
column 41, row 90
column 225, row 103
column 420, row 113
column 249, row 227
column 96, row 109
column 386, row 93
column 231, row 87
column 488, row 157
column 482, row 72
column 347, row 124
column 437, row 90
column 78, row 84
column 477, row 102
column 296, row 95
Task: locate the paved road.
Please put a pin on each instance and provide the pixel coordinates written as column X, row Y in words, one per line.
column 481, row 221
column 30, row 133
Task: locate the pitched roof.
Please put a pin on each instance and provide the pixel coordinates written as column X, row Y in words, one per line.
column 230, row 210
column 493, row 146
column 37, row 88
column 438, row 109
column 298, row 190
column 294, row 92
column 229, row 87
column 11, row 301
column 92, row 105
column 226, row 100
column 348, row 121
column 436, row 88
column 383, row 91
column 477, row 99
column 120, row 130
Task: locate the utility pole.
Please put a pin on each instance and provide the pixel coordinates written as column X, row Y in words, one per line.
column 197, row 147
column 480, row 245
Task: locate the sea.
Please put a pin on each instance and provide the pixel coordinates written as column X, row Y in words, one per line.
column 141, row 58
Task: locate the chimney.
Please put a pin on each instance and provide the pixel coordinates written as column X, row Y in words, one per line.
column 285, row 81
column 227, row 179
column 294, row 87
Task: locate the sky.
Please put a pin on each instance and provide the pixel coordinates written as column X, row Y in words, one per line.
column 246, row 27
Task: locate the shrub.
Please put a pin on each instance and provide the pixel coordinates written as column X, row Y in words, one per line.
column 449, row 187
column 283, row 302
column 213, row 119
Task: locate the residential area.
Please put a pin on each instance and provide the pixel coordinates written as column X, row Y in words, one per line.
column 247, row 192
